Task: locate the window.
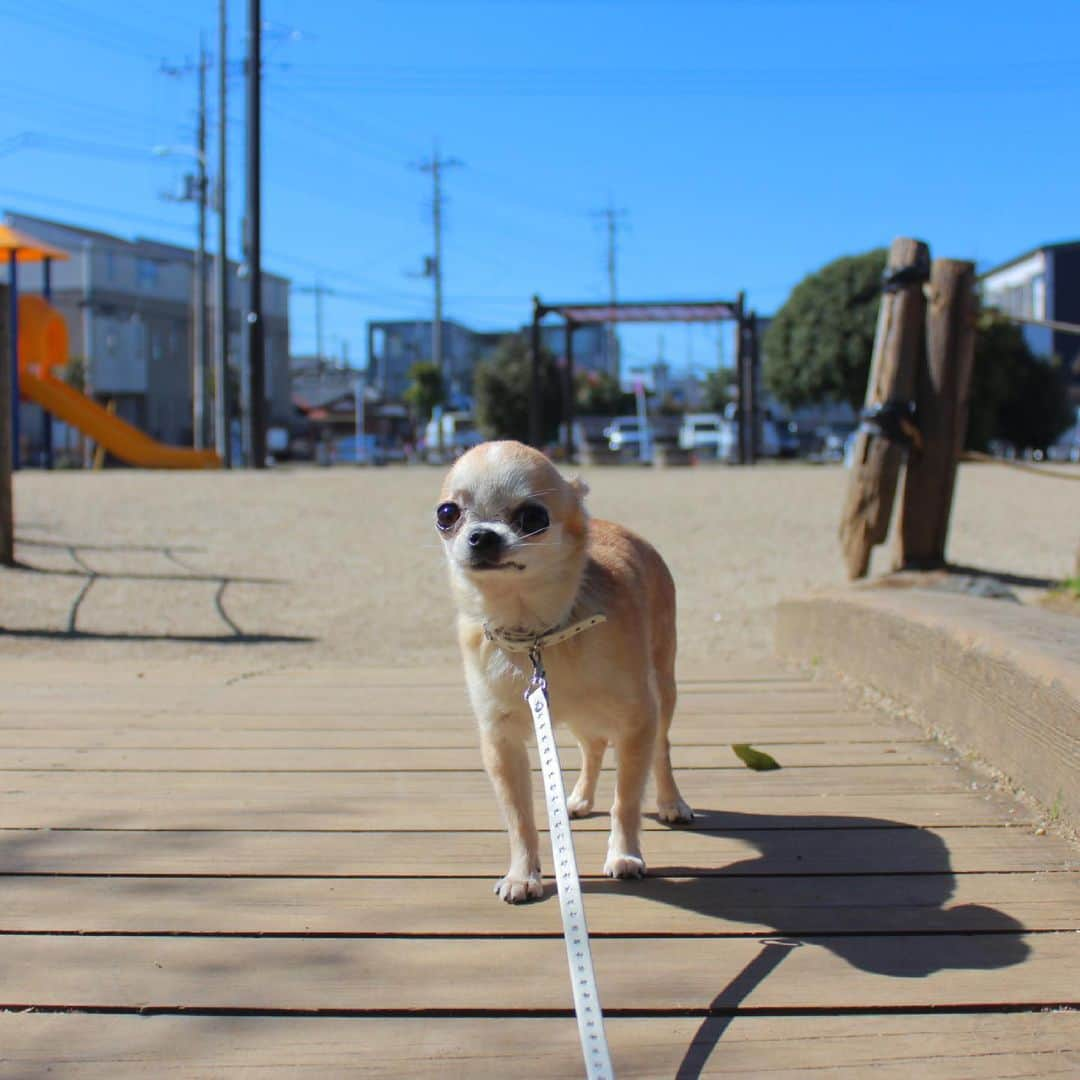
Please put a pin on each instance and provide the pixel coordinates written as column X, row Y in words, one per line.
column 146, row 273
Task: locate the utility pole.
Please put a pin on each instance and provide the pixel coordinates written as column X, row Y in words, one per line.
column 196, row 190
column 255, row 416
column 199, row 387
column 612, row 217
column 222, row 440
column 433, row 266
column 318, row 290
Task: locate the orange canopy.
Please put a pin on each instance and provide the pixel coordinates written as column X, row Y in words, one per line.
column 27, row 248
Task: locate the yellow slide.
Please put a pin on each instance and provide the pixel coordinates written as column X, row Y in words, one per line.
column 43, row 345
column 121, row 439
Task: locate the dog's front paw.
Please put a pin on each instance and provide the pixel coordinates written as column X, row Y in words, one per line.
column 578, row 805
column 675, row 813
column 515, row 889
column 624, row 866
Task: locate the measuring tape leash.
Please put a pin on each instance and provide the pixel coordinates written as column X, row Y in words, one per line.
column 590, row 1017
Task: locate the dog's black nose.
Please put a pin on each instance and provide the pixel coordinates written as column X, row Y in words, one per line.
column 484, row 542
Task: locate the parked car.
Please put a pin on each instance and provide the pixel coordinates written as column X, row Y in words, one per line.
column 625, row 434
column 458, row 435
column 707, row 434
column 769, row 445
column 832, row 440
column 1067, row 446
column 362, row 450
column 787, row 433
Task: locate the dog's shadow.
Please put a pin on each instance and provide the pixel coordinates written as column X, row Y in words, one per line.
column 853, row 884
column 874, row 892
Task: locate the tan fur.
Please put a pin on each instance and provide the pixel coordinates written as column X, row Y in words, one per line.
column 613, row 685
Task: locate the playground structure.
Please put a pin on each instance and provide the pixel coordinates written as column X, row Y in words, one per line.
column 42, row 348
column 747, row 364
column 37, row 340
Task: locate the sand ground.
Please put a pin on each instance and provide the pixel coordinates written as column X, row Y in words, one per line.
column 315, row 566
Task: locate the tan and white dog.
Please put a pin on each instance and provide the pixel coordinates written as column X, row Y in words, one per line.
column 526, row 562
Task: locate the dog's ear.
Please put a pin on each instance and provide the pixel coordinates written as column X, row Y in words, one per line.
column 580, row 488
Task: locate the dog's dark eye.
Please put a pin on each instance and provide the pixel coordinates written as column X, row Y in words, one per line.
column 446, row 515
column 531, row 518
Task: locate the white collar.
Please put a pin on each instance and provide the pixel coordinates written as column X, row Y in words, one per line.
column 522, row 641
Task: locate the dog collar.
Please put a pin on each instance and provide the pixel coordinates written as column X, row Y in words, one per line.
column 524, row 641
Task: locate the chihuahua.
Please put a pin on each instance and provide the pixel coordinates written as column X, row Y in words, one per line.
column 528, row 568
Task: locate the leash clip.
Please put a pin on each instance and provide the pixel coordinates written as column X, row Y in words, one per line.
column 539, row 675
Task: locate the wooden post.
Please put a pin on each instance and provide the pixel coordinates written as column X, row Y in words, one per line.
column 753, row 380
column 944, row 390
column 897, row 357
column 7, row 506
column 535, row 414
column 568, row 391
column 745, row 442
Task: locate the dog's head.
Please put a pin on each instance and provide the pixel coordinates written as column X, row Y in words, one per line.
column 509, row 519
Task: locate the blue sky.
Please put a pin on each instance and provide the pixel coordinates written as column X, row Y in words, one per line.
column 748, row 142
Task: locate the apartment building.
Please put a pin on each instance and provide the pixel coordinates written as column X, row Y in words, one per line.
column 1044, row 285
column 394, row 346
column 129, row 308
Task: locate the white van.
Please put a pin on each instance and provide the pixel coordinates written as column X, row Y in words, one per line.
column 709, row 433
column 458, row 435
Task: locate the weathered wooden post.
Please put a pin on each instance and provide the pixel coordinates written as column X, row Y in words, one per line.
column 568, row 392
column 7, row 507
column 897, row 357
column 535, row 415
column 942, row 397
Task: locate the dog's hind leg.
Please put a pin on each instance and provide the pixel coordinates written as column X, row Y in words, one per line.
column 580, row 801
column 633, row 751
column 670, row 805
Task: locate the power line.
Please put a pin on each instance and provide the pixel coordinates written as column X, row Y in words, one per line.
column 550, row 81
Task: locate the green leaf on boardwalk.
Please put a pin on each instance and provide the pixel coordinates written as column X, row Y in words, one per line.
column 757, row 760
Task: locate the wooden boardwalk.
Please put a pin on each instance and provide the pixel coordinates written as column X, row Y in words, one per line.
column 209, row 873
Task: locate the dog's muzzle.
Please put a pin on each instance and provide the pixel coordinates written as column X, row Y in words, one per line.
column 485, row 550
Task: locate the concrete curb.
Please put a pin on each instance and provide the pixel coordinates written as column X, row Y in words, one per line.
column 1001, row 680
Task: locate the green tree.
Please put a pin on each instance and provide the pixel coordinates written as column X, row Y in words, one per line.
column 598, row 394
column 501, row 387
column 425, row 390
column 818, row 346
column 719, row 389
column 1015, row 396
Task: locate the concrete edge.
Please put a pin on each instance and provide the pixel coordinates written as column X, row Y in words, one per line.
column 999, row 680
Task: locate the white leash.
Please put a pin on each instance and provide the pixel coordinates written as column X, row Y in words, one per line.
column 590, row 1017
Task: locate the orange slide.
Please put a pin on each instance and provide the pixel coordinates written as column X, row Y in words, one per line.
column 43, row 344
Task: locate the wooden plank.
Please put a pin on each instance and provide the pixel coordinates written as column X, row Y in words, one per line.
column 919, row 794
column 899, row 345
column 791, row 905
column 394, row 702
column 446, row 731
column 765, row 732
column 293, row 807
column 440, row 759
column 455, row 785
column 146, row 671
column 396, row 974
column 804, row 851
column 976, row 1047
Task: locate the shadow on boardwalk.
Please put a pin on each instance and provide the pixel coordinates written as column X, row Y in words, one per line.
column 232, row 633
column 891, row 922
